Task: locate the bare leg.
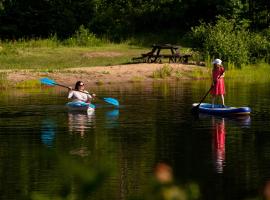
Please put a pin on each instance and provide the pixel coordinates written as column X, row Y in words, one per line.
column 222, row 99
column 213, row 100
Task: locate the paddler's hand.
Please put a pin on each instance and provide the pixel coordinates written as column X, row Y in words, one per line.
column 93, row 95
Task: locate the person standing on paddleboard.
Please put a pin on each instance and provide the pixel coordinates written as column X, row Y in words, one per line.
column 79, row 94
column 218, row 87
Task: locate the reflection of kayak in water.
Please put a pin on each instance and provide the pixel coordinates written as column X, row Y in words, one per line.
column 81, row 106
column 220, row 110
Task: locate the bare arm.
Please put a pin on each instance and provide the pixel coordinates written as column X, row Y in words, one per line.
column 70, row 94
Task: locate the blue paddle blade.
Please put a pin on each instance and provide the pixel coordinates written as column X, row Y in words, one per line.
column 111, row 101
column 47, row 81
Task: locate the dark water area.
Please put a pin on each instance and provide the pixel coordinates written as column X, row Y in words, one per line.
column 224, row 157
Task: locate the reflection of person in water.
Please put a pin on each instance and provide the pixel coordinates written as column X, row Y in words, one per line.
column 218, row 143
column 79, row 122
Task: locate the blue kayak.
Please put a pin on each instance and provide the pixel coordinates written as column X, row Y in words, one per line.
column 220, row 110
column 81, row 106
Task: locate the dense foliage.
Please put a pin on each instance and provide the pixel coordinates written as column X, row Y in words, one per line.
column 231, row 41
column 119, row 19
column 235, row 30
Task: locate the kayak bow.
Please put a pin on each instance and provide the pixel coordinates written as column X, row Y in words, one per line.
column 81, row 106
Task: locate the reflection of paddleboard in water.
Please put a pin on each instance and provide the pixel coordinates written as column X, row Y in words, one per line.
column 48, row 132
column 243, row 121
column 80, row 122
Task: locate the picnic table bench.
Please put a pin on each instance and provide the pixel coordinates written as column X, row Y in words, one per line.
column 155, row 55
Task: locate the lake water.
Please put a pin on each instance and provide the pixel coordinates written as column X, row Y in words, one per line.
column 46, row 151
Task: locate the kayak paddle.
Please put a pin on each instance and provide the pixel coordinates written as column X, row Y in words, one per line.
column 195, row 109
column 51, row 82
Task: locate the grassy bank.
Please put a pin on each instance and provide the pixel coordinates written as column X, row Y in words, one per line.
column 48, row 55
column 259, row 73
column 51, row 55
column 251, row 73
column 83, row 49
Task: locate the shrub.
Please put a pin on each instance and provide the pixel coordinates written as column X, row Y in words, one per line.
column 83, row 37
column 259, row 48
column 231, row 41
column 163, row 72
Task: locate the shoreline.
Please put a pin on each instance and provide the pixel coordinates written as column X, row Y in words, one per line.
column 106, row 75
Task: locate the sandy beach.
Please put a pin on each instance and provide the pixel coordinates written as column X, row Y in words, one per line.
column 100, row 75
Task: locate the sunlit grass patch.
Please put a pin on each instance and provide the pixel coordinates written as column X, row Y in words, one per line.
column 250, row 73
column 17, row 56
column 3, row 80
column 178, row 74
column 200, row 73
column 99, row 83
column 136, row 79
column 163, row 72
column 28, row 84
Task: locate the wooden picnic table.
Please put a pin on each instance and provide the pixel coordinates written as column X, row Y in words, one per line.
column 156, row 54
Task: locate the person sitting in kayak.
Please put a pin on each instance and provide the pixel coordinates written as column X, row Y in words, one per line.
column 79, row 94
column 218, row 87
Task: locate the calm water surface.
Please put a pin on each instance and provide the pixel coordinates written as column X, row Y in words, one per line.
column 227, row 158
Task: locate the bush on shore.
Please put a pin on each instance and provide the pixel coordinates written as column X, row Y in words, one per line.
column 231, row 41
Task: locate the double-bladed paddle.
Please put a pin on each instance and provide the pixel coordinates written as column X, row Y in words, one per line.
column 51, row 82
column 195, row 109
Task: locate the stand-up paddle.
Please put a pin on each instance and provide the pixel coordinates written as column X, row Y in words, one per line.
column 195, row 109
column 51, row 82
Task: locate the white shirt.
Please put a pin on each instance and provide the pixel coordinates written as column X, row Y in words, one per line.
column 79, row 96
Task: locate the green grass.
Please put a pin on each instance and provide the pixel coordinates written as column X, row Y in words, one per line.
column 163, row 72
column 28, row 84
column 250, row 73
column 49, row 55
column 45, row 55
column 3, row 80
column 136, row 79
column 53, row 54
